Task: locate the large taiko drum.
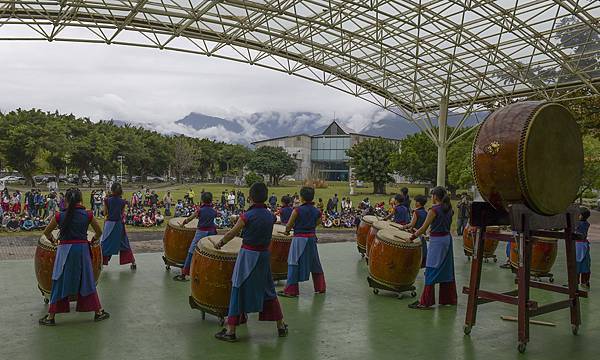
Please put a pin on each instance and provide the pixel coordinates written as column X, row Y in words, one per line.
column 211, row 275
column 363, row 231
column 177, row 240
column 543, row 255
column 279, row 248
column 489, row 244
column 394, row 261
column 375, row 227
column 45, row 255
column 529, row 152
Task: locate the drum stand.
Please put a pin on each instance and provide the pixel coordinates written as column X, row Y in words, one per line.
column 205, row 310
column 527, row 224
column 169, row 263
column 376, row 286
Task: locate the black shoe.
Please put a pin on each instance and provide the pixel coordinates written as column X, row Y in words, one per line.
column 283, row 332
column 133, row 267
column 505, row 266
column 417, row 305
column 180, row 278
column 224, row 336
column 284, row 294
column 47, row 321
column 102, row 316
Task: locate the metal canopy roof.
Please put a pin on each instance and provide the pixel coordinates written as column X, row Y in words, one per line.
column 403, row 55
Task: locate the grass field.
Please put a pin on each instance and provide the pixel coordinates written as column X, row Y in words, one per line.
column 178, row 191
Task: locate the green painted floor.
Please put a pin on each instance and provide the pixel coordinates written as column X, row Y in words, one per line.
column 151, row 319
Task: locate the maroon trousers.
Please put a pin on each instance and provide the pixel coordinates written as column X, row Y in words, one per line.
column 447, row 294
column 271, row 312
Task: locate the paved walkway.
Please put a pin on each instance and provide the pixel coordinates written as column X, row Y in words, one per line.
column 151, row 319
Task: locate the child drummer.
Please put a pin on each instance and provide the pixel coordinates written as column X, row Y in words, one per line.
column 417, row 220
column 206, row 215
column 253, row 289
column 286, row 209
column 582, row 249
column 303, row 258
column 440, row 259
column 400, row 213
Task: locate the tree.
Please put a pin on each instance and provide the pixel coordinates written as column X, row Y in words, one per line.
column 591, row 165
column 183, row 156
column 272, row 161
column 22, row 137
column 417, row 160
column 459, row 164
column 371, row 160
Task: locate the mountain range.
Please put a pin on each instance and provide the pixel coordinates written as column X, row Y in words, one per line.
column 264, row 125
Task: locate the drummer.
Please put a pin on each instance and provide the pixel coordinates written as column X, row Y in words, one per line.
column 400, row 213
column 417, row 220
column 582, row 249
column 73, row 276
column 440, row 260
column 303, row 258
column 114, row 239
column 286, row 209
column 253, row 288
column 206, row 215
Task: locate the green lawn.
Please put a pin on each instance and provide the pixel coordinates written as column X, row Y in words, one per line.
column 179, row 190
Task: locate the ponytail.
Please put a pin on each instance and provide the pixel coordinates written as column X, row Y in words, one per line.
column 72, row 197
column 442, row 195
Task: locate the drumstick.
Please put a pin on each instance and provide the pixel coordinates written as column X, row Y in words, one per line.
column 536, row 322
column 397, row 226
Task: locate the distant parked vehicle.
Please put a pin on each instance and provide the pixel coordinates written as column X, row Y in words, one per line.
column 12, row 179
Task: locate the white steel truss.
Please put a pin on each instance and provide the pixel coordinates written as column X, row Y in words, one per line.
column 407, row 56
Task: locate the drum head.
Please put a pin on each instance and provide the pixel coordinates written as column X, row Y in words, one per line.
column 278, row 231
column 231, row 249
column 369, row 219
column 383, row 224
column 551, row 157
column 397, row 237
column 174, row 222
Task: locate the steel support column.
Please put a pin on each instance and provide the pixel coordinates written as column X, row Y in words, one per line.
column 442, row 143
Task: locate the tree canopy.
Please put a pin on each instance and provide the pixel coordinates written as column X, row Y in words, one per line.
column 371, row 160
column 272, row 161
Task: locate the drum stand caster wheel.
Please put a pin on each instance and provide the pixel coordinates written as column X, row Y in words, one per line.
column 203, row 315
column 46, row 301
column 551, row 280
column 413, row 293
column 522, row 347
column 467, row 329
column 375, row 291
column 168, row 267
column 495, row 260
column 574, row 329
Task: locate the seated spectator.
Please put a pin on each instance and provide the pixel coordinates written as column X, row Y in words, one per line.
column 159, row 218
column 27, row 224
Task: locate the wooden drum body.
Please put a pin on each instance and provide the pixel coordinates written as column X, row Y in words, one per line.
column 279, row 248
column 543, row 255
column 489, row 245
column 45, row 254
column 529, row 152
column 375, row 227
column 211, row 275
column 363, row 232
column 394, row 261
column 177, row 240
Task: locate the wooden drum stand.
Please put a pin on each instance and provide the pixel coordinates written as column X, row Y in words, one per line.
column 526, row 224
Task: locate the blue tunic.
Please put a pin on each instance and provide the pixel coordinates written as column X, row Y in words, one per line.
column 440, row 256
column 306, row 220
column 285, row 213
column 582, row 248
column 252, row 282
column 206, row 215
column 401, row 215
column 421, row 214
column 115, row 207
column 72, row 273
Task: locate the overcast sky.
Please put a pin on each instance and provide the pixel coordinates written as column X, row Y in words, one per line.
column 148, row 85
